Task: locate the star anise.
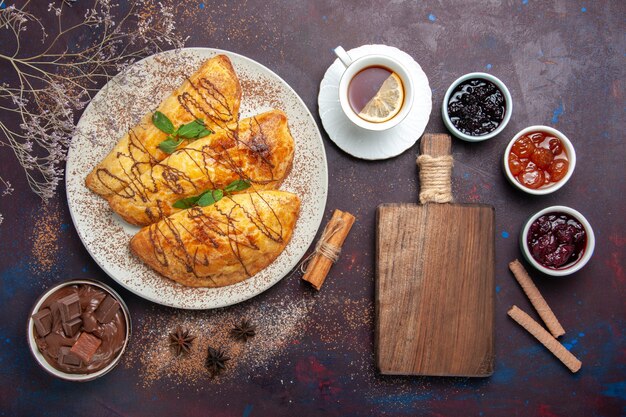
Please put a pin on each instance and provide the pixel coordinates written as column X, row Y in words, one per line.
column 243, row 331
column 180, row 341
column 216, row 360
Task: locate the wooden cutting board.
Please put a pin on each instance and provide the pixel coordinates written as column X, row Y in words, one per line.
column 435, row 285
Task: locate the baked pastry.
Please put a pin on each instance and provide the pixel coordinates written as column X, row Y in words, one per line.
column 212, row 93
column 221, row 244
column 260, row 152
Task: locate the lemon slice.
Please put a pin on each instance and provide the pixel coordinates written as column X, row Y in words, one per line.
column 386, row 103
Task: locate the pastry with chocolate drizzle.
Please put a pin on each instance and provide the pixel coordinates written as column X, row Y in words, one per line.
column 260, row 150
column 212, row 93
column 221, row 244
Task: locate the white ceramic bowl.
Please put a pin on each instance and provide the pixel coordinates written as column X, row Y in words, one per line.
column 591, row 242
column 42, row 360
column 507, row 99
column 569, row 148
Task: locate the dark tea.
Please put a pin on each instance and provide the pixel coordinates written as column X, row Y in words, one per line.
column 376, row 94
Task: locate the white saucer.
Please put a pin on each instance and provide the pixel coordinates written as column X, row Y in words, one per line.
column 366, row 144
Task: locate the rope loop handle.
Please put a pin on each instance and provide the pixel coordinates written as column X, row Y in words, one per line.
column 435, row 178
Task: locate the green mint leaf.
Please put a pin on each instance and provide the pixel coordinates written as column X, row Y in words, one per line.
column 169, row 145
column 193, row 130
column 162, row 122
column 186, row 203
column 237, row 185
column 210, row 197
column 203, row 133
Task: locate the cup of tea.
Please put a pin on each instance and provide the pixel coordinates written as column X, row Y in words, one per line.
column 375, row 91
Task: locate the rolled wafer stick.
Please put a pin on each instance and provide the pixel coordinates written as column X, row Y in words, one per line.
column 545, row 338
column 537, row 300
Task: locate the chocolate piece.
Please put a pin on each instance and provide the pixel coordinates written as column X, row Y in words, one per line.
column 69, row 307
column 68, row 358
column 99, row 332
column 71, row 327
column 90, row 324
column 56, row 339
column 86, row 346
column 54, row 309
column 107, row 309
column 43, row 321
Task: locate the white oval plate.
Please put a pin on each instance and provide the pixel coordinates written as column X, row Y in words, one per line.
column 367, row 144
column 119, row 105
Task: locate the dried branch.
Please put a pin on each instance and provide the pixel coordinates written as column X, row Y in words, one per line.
column 50, row 88
column 7, row 189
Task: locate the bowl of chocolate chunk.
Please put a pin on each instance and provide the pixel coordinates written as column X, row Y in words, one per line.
column 557, row 240
column 79, row 329
column 476, row 107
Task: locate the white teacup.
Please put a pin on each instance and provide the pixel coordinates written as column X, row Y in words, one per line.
column 353, row 67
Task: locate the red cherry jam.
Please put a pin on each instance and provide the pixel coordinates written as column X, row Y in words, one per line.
column 538, row 160
column 556, row 240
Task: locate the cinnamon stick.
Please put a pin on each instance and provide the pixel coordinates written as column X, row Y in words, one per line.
column 536, row 299
column 328, row 248
column 545, row 338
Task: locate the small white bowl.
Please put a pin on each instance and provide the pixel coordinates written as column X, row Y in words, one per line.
column 591, row 242
column 569, row 148
column 507, row 99
column 42, row 360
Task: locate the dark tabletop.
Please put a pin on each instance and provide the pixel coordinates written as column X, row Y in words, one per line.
column 314, row 355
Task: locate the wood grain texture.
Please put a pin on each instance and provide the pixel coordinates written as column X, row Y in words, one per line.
column 436, row 144
column 435, row 286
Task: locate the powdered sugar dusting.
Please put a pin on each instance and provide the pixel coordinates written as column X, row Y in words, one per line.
column 119, row 105
column 278, row 322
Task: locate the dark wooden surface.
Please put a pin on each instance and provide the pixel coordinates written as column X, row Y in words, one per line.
column 563, row 62
column 435, row 284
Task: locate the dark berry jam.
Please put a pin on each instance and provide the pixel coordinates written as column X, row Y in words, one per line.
column 476, row 107
column 556, row 240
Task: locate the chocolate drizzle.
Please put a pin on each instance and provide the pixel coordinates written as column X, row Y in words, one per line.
column 210, row 104
column 228, row 155
column 140, row 163
column 209, row 225
column 214, row 106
